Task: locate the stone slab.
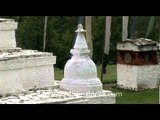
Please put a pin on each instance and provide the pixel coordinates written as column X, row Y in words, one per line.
column 57, row 96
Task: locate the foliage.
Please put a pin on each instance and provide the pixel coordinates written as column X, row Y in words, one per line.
column 61, row 34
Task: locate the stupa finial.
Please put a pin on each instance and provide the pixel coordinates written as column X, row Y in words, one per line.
column 80, row 28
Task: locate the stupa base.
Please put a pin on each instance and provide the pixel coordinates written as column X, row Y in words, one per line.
column 81, row 85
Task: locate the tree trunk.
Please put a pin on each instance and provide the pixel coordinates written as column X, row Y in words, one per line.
column 150, row 26
column 134, row 27
column 107, row 34
column 125, row 28
column 88, row 24
column 45, row 32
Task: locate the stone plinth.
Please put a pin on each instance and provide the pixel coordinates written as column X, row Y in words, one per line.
column 25, row 69
column 22, row 69
column 137, row 64
column 80, row 72
column 7, row 34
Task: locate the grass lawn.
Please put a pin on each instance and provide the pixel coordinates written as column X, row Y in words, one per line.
column 128, row 97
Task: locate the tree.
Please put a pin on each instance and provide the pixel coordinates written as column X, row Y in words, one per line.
column 45, row 32
column 150, row 26
column 134, row 27
column 125, row 28
column 60, row 34
column 88, row 24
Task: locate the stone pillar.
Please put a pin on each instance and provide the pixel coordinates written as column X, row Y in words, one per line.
column 137, row 64
column 80, row 72
column 7, row 34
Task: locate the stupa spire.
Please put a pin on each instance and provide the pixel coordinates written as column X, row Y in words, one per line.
column 80, row 39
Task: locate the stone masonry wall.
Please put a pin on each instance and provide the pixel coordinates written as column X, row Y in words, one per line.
column 148, row 76
column 138, row 77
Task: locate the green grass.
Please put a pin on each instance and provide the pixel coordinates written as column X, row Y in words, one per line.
column 149, row 96
column 128, row 97
column 58, row 73
column 110, row 76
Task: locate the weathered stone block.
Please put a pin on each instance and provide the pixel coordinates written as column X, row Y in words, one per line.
column 7, row 33
column 23, row 72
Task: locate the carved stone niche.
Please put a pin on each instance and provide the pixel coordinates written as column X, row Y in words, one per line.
column 127, row 58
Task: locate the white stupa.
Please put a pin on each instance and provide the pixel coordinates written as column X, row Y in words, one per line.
column 80, row 72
